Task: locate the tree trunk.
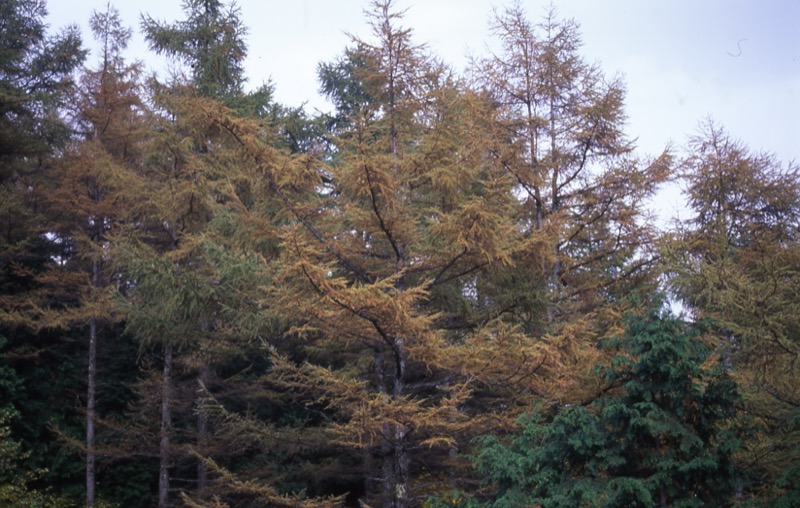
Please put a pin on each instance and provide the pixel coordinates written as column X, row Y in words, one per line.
column 402, row 461
column 394, row 469
column 166, row 424
column 91, row 398
column 394, row 491
column 373, row 456
column 202, row 433
column 90, row 414
column 387, row 470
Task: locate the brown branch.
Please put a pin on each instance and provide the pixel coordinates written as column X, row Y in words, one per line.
column 390, row 340
column 448, row 265
column 374, row 200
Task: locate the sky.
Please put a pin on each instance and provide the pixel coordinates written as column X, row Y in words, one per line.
column 683, row 61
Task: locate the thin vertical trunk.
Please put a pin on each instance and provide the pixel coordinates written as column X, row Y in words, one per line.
column 91, row 400
column 370, row 465
column 392, row 75
column 387, row 471
column 402, row 461
column 555, row 205
column 534, row 162
column 394, row 456
column 166, row 424
column 401, row 457
column 738, row 489
column 385, row 446
column 555, row 198
column 202, row 433
column 395, row 467
column 90, row 414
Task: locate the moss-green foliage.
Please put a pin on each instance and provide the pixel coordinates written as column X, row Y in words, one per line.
column 661, row 433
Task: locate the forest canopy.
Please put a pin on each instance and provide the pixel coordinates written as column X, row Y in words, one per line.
column 450, row 290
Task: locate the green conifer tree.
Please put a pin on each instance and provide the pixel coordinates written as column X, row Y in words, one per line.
column 35, row 83
column 661, row 435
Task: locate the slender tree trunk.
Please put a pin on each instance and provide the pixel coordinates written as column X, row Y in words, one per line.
column 202, row 433
column 402, row 461
column 91, row 398
column 395, row 467
column 533, row 155
column 391, row 488
column 385, row 448
column 90, row 414
column 373, row 456
column 166, row 429
column 555, row 206
column 387, row 470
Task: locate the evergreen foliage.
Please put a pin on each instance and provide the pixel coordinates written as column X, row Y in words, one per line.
column 662, row 434
column 41, row 371
column 35, row 74
column 210, row 41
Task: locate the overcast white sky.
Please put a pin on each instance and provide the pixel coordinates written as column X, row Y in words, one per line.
column 736, row 61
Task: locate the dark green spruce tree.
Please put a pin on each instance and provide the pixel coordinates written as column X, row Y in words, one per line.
column 210, row 41
column 36, row 382
column 661, row 435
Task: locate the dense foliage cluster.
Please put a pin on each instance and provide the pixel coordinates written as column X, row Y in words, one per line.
column 661, row 434
column 443, row 293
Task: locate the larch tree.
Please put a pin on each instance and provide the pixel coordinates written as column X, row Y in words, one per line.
column 210, row 42
column 167, row 299
column 562, row 122
column 734, row 261
column 381, row 250
column 87, row 194
column 198, row 271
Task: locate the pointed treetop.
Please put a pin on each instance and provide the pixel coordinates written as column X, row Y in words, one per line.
column 210, row 41
column 108, row 29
